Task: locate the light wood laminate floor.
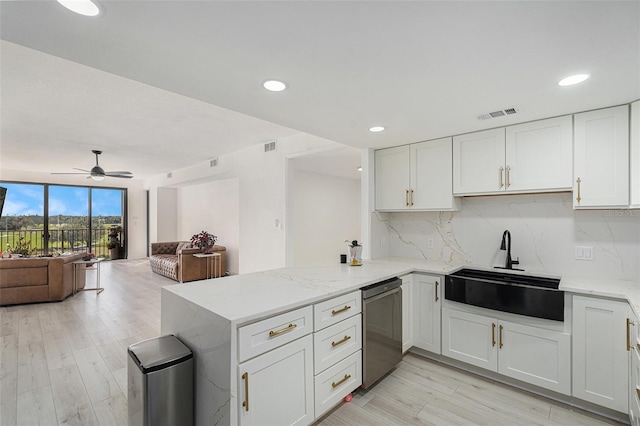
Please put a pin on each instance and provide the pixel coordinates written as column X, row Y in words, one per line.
column 66, row 364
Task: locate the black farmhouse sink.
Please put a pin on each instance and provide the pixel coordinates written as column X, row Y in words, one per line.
column 515, row 293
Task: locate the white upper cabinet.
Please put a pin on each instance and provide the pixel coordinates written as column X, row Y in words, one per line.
column 392, row 178
column 478, row 162
column 635, row 154
column 530, row 157
column 538, row 155
column 601, row 158
column 415, row 177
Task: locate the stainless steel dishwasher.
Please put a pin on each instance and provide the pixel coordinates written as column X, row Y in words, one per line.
column 381, row 329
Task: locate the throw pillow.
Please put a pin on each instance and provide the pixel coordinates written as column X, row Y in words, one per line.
column 182, row 245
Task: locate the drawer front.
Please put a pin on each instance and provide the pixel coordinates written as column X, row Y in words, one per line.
column 335, row 310
column 260, row 337
column 336, row 382
column 334, row 343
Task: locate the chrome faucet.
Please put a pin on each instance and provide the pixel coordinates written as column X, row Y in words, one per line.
column 506, row 245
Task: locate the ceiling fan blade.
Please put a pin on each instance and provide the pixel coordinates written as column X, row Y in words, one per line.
column 119, row 176
column 118, row 172
column 69, row 173
column 82, row 170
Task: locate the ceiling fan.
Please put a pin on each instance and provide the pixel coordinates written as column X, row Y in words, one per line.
column 97, row 173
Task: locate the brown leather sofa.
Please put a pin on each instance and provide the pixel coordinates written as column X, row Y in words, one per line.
column 181, row 265
column 38, row 279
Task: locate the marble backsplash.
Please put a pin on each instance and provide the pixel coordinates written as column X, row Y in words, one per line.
column 545, row 231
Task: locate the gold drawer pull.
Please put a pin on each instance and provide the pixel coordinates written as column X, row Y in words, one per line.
column 341, row 381
column 578, row 181
column 339, row 311
column 493, row 334
column 629, row 324
column 245, row 403
column 284, row 330
column 339, row 342
column 508, row 173
column 638, row 392
column 437, row 284
column 500, row 337
column 500, row 171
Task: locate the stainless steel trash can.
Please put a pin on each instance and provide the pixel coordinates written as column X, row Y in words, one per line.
column 160, row 382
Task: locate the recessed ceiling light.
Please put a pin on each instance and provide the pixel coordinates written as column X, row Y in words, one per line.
column 360, row 168
column 83, row 7
column 573, row 79
column 274, row 85
column 376, row 129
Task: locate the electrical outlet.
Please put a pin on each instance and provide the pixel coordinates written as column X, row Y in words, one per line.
column 430, row 243
column 383, row 241
column 584, row 253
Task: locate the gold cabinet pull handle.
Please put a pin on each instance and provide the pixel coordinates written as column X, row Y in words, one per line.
column 284, row 330
column 638, row 392
column 437, row 283
column 493, row 334
column 508, row 173
column 341, row 310
column 411, row 198
column 341, row 341
column 578, row 181
column 500, row 170
column 629, row 324
column 406, row 198
column 501, row 337
column 341, row 381
column 245, row 403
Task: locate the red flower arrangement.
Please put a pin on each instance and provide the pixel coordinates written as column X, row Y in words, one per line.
column 204, row 241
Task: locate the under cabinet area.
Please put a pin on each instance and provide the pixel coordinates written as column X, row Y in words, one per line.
column 600, row 355
column 415, row 177
column 531, row 354
column 601, row 158
column 529, row 157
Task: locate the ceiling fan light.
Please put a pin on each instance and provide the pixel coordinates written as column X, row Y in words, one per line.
column 97, row 178
column 81, row 7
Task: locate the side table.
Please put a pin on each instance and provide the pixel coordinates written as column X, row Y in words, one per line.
column 84, row 264
column 214, row 264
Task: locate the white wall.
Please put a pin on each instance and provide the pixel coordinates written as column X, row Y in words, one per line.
column 262, row 196
column 167, row 215
column 326, row 212
column 136, row 213
column 544, row 229
column 213, row 207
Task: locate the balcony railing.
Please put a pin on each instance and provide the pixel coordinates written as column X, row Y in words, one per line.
column 66, row 240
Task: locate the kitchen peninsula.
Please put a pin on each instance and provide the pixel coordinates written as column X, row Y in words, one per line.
column 210, row 317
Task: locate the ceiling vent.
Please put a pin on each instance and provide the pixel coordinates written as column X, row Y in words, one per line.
column 270, row 146
column 169, row 175
column 214, row 162
column 499, row 113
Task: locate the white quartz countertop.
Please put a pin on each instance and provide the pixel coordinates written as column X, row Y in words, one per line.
column 248, row 297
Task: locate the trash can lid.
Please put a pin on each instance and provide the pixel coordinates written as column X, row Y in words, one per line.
column 154, row 354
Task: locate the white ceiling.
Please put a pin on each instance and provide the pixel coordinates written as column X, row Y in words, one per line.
column 159, row 85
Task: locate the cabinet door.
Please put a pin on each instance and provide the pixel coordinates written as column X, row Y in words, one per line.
column 470, row 338
column 635, row 155
column 431, row 175
column 478, row 162
column 601, row 158
column 426, row 312
column 407, row 317
column 276, row 388
column 539, row 155
column 534, row 355
column 634, row 387
column 392, row 178
column 600, row 356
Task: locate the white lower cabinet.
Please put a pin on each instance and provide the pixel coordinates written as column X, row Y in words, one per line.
column 634, row 387
column 425, row 310
column 277, row 388
column 534, row 355
column 600, row 355
column 407, row 316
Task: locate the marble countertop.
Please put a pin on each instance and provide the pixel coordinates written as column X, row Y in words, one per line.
column 248, row 297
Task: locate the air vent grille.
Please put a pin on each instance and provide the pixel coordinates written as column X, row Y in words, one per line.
column 499, row 113
column 169, row 175
column 214, row 162
column 270, row 146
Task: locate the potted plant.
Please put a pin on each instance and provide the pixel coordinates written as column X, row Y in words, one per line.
column 204, row 241
column 355, row 252
column 114, row 241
